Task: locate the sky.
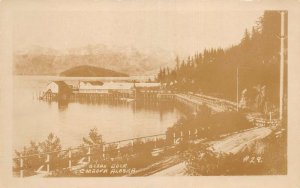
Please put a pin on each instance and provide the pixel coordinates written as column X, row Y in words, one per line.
column 181, row 32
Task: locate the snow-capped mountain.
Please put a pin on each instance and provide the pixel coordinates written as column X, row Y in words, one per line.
column 47, row 61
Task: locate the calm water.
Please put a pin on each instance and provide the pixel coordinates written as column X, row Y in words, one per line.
column 34, row 119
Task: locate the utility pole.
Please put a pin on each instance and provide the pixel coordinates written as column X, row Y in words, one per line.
column 281, row 65
column 237, row 89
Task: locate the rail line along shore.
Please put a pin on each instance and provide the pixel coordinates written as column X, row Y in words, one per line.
column 97, row 159
column 97, row 91
column 184, row 101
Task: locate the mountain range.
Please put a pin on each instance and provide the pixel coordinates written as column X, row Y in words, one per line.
column 38, row 60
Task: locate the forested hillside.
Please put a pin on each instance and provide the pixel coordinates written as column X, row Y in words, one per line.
column 214, row 71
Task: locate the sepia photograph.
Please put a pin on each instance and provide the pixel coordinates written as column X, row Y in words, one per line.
column 108, row 100
column 158, row 92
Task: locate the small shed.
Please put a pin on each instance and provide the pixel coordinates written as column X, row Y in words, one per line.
column 58, row 87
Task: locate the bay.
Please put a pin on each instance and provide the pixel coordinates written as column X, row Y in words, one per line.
column 35, row 119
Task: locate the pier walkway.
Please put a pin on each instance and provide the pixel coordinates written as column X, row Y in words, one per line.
column 195, row 101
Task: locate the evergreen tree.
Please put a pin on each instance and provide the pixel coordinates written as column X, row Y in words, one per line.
column 214, row 70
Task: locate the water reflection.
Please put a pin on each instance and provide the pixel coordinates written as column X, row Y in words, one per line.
column 72, row 120
column 136, row 106
column 62, row 105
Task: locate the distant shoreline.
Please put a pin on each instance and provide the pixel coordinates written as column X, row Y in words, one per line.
column 57, row 77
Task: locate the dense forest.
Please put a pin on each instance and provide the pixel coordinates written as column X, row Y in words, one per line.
column 214, row 71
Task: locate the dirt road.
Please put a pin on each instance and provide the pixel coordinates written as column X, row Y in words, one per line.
column 229, row 144
column 236, row 142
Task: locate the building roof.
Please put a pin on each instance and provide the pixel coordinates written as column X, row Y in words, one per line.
column 73, row 83
column 94, row 83
column 106, row 86
column 145, row 84
column 117, row 86
column 61, row 83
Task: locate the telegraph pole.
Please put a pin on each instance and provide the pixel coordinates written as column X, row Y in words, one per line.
column 237, row 89
column 281, row 66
